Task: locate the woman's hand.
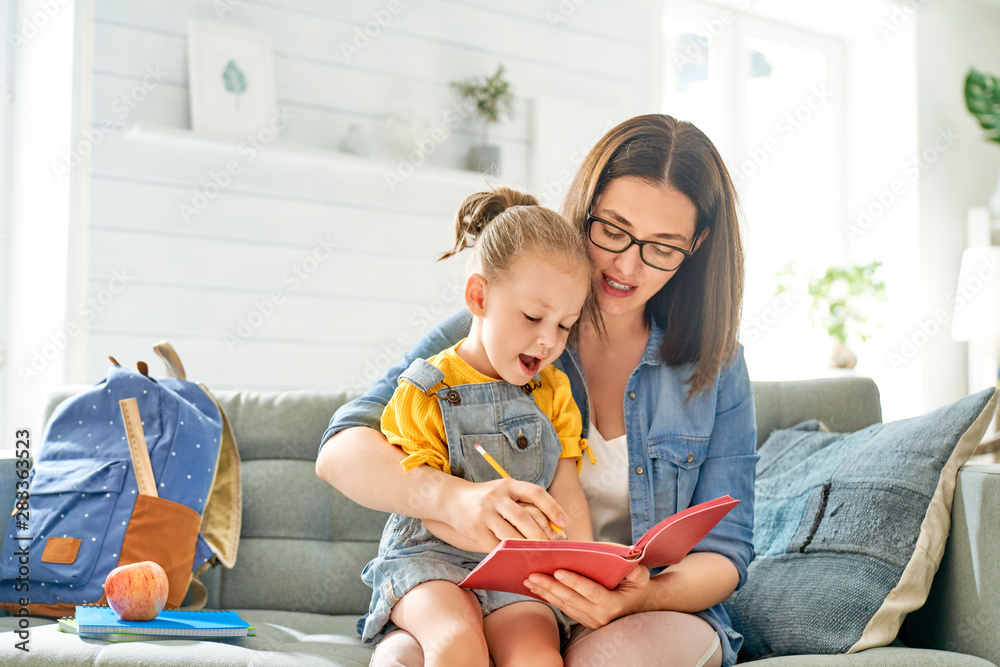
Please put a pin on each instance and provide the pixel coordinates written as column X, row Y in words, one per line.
column 476, row 516
column 587, row 601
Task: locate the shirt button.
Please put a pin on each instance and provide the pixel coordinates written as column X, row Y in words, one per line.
column 690, row 457
column 638, row 470
column 631, row 395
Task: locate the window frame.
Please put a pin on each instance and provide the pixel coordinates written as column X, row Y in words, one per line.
column 730, row 29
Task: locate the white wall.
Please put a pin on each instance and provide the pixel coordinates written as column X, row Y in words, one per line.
column 47, row 242
column 247, row 289
column 952, row 35
column 882, row 221
column 918, row 162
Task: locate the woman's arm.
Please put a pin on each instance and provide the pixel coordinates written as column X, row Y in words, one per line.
column 356, row 459
column 471, row 516
column 717, row 566
column 698, row 582
column 352, row 458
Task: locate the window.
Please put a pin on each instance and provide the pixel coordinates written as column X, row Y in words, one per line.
column 6, row 81
column 770, row 98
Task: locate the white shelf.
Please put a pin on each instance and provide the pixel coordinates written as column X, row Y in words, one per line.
column 188, row 139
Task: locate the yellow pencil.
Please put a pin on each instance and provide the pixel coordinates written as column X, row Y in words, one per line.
column 503, row 473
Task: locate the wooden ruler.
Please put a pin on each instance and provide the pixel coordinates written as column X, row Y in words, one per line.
column 137, row 447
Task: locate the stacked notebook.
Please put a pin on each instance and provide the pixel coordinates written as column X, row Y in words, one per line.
column 97, row 622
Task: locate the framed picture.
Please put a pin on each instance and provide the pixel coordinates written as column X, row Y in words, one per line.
column 230, row 79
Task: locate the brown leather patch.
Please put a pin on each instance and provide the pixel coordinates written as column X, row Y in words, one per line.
column 166, row 532
column 61, row 550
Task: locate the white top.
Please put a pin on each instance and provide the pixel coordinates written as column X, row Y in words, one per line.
column 606, row 487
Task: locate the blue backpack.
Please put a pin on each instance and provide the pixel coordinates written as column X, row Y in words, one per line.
column 83, row 511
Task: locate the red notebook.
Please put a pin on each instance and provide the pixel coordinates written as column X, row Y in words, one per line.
column 666, row 543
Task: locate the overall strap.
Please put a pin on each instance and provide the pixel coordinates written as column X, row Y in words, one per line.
column 422, row 375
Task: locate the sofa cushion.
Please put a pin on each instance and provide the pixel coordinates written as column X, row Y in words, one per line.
column 283, row 639
column 287, row 639
column 849, row 529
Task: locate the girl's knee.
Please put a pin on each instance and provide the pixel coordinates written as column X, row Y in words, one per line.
column 523, row 634
column 398, row 649
column 458, row 646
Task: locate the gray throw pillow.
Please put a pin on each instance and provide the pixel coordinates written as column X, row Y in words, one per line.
column 849, row 529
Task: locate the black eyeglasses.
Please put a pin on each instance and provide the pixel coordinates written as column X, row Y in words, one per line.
column 609, row 236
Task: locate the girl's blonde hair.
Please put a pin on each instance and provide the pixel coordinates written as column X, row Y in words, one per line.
column 503, row 226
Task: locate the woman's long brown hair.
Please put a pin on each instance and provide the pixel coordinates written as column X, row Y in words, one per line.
column 700, row 307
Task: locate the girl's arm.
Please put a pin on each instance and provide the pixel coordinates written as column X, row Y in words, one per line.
column 567, row 491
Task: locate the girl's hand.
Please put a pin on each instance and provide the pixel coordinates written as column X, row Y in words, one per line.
column 477, row 516
column 587, row 601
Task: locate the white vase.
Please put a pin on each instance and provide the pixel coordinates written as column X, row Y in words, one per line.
column 485, row 158
column 841, row 356
column 354, row 141
column 994, row 202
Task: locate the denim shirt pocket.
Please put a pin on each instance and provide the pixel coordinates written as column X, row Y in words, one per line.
column 517, row 448
column 676, row 461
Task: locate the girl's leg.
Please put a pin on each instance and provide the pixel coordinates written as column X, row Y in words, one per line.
column 523, row 633
column 652, row 638
column 398, row 649
column 447, row 622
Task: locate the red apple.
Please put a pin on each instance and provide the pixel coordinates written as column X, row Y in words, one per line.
column 137, row 592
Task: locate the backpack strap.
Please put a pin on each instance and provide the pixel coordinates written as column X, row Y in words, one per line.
column 197, row 591
column 423, row 375
column 223, row 514
column 171, row 360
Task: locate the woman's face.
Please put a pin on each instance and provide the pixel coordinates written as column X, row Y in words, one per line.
column 624, row 283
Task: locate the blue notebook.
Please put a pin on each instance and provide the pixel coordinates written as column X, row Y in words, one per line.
column 168, row 624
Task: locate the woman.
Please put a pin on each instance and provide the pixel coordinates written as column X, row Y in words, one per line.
column 666, row 402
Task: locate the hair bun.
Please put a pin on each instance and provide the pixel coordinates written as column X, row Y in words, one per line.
column 479, row 209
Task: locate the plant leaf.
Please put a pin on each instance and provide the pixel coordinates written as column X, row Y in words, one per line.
column 982, row 99
column 234, row 79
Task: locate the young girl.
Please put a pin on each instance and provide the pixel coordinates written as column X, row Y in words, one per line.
column 529, row 284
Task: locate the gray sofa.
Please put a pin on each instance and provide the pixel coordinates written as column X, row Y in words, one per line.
column 303, row 546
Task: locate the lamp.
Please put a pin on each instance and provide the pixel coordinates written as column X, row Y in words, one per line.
column 977, row 314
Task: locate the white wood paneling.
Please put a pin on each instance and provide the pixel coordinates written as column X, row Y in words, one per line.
column 238, row 270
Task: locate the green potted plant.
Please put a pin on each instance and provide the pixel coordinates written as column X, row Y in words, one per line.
column 492, row 99
column 841, row 299
column 982, row 99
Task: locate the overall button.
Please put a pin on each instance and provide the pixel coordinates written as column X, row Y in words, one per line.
column 453, row 397
column 631, row 395
column 638, row 470
column 690, row 457
column 522, row 442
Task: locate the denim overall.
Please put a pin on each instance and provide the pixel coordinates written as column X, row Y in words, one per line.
column 505, row 420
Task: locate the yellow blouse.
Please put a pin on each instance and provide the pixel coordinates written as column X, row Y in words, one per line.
column 412, row 420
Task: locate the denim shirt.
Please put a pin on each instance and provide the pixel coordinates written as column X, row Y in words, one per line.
column 680, row 453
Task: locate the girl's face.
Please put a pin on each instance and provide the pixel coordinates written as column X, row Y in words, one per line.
column 649, row 213
column 524, row 319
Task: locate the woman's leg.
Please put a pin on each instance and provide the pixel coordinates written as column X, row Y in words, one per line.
column 651, row 639
column 447, row 622
column 523, row 634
